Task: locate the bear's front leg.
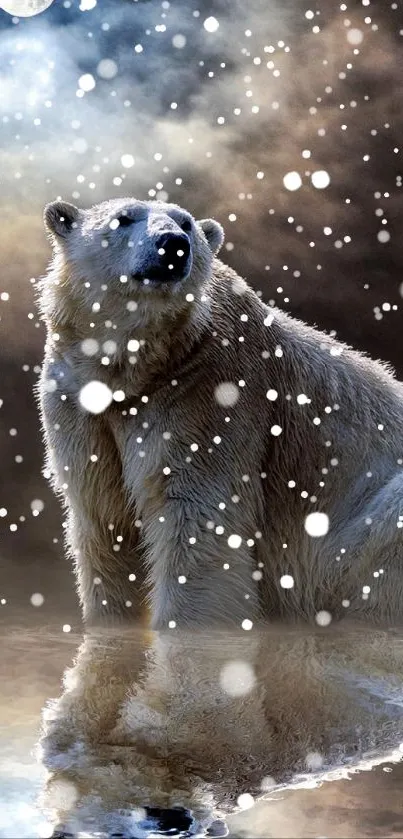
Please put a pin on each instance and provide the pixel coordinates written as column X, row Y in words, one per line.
column 201, row 574
column 86, row 470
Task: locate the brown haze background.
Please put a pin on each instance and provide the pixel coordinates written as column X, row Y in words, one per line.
column 277, row 241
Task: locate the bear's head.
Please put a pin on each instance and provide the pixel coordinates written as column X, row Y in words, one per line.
column 140, row 248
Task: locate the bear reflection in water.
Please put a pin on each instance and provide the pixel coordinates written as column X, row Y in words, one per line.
column 160, row 734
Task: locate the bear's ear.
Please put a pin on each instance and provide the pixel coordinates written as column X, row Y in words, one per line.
column 213, row 232
column 60, row 218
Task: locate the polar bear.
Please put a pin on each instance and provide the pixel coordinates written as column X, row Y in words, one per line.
column 224, row 468
column 239, row 449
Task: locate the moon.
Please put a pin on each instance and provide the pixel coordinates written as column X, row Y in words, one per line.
column 25, row 8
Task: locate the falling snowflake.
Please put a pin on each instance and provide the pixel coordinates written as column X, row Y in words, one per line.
column 127, row 161
column 86, row 82
column 237, row 678
column 272, row 395
column 37, row 599
column 355, row 37
column 107, row 68
column 95, row 397
column 226, row 394
column 320, row 179
column 37, row 506
column 89, row 346
column 292, row 181
column 179, row 41
column 323, row 618
column 211, row 24
column 317, row 524
column 383, row 236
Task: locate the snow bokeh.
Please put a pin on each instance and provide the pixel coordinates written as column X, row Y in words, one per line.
column 317, row 524
column 95, row 397
column 237, row 678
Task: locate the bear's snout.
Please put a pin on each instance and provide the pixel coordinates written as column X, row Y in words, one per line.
column 172, row 255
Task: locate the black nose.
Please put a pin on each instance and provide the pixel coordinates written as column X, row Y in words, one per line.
column 172, row 822
column 173, row 249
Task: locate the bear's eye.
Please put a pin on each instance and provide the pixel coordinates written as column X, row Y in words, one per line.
column 125, row 221
column 186, row 225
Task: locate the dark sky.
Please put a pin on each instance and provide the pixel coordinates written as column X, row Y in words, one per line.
column 214, row 120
